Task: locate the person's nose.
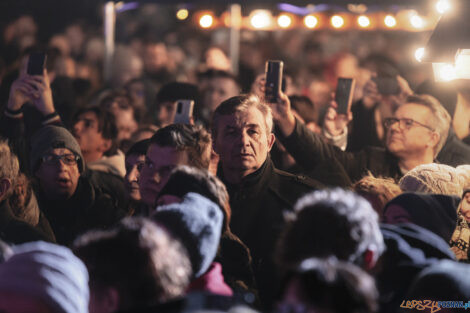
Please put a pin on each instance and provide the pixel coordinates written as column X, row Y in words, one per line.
column 77, row 127
column 133, row 175
column 243, row 139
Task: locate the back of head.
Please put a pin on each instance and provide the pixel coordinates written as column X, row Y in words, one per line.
column 176, row 90
column 197, row 223
column 432, row 178
column 331, row 223
column 444, row 281
column 186, row 179
column 47, row 273
column 378, row 191
column 137, row 258
column 193, row 139
column 9, row 168
column 328, row 285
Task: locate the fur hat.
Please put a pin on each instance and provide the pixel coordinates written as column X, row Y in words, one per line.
column 52, row 137
column 47, row 272
column 197, row 223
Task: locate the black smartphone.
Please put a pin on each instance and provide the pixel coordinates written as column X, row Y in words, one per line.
column 273, row 80
column 36, row 63
column 183, row 111
column 387, row 85
column 344, row 94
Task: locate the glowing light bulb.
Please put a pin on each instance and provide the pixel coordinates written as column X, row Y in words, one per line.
column 310, row 21
column 261, row 19
column 182, row 14
column 206, row 21
column 442, row 6
column 390, row 21
column 284, row 21
column 337, row 21
column 417, row 21
column 419, row 54
column 363, row 21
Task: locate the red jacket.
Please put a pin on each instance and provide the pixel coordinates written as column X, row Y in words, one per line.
column 212, row 281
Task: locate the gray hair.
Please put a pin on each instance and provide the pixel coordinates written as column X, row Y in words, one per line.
column 10, row 166
column 440, row 117
column 346, row 221
column 241, row 104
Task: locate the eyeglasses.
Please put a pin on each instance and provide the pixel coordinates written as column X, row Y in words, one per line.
column 404, row 123
column 53, row 159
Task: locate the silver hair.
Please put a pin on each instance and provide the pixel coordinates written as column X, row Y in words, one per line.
column 9, row 164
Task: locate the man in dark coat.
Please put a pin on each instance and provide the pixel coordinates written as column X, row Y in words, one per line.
column 415, row 135
column 70, row 198
column 259, row 193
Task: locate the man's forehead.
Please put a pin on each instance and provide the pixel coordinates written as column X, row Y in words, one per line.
column 412, row 110
column 246, row 118
column 59, row 151
column 167, row 155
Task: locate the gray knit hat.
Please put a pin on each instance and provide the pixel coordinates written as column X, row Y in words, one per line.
column 51, row 137
column 47, row 272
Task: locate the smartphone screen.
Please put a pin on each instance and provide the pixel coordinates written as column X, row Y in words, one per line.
column 344, row 94
column 183, row 111
column 36, row 63
column 273, row 80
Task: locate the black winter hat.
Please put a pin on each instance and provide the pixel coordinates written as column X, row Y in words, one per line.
column 437, row 213
column 52, row 137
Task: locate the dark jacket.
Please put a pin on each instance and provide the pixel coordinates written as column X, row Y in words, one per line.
column 309, row 150
column 409, row 249
column 15, row 231
column 454, row 152
column 90, row 207
column 258, row 205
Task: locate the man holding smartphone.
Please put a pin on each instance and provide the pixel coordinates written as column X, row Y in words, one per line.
column 414, row 135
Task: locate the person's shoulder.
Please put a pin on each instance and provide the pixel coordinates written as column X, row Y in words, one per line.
column 290, row 181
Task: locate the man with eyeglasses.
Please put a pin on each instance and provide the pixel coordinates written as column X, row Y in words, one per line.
column 414, row 135
column 68, row 195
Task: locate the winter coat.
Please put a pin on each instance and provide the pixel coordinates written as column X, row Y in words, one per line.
column 258, row 205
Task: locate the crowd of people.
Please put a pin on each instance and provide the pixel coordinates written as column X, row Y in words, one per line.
column 108, row 205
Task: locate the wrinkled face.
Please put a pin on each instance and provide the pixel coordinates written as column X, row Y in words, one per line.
column 86, row 131
column 415, row 140
column 159, row 162
column 465, row 207
column 166, row 113
column 58, row 177
column 218, row 90
column 243, row 141
column 134, row 164
column 396, row 214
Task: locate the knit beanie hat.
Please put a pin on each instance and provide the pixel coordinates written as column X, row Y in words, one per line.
column 52, row 137
column 47, row 272
column 432, row 178
column 197, row 223
column 437, row 213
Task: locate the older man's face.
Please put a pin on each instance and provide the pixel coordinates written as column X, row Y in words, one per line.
column 415, row 138
column 243, row 141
